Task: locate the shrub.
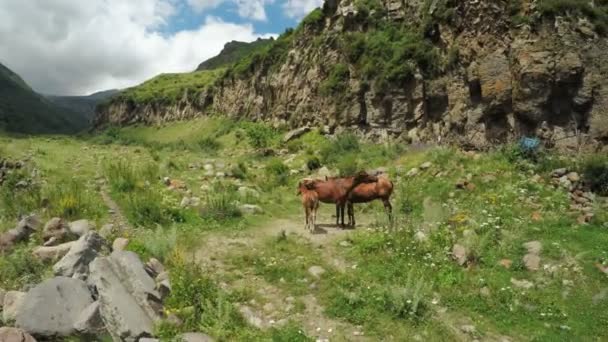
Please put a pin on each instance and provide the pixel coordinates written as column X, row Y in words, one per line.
column 220, row 206
column 595, row 173
column 260, row 135
column 337, row 81
column 313, row 19
column 144, row 207
column 313, row 163
column 345, row 143
column 20, row 268
column 121, row 176
column 277, row 172
column 239, row 171
column 348, row 165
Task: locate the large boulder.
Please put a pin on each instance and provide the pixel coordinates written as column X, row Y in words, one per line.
column 10, row 306
column 89, row 321
column 129, row 302
column 53, row 307
column 52, row 253
column 76, row 262
column 81, row 227
column 15, row 335
column 56, row 231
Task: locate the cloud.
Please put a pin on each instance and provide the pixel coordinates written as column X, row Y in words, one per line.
column 201, row 5
column 299, row 8
column 77, row 47
column 249, row 9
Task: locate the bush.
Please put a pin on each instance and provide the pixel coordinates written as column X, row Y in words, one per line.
column 220, row 206
column 144, row 207
column 344, row 144
column 595, row 173
column 313, row 19
column 260, row 135
column 239, row 171
column 313, row 163
column 277, row 172
column 348, row 165
column 337, row 81
column 121, row 176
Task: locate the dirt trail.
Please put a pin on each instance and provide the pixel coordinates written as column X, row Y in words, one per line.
column 117, row 218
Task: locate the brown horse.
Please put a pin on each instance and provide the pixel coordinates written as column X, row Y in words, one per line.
column 310, row 202
column 364, row 193
column 336, row 190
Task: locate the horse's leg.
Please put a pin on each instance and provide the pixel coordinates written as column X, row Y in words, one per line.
column 351, row 214
column 307, row 211
column 389, row 209
column 342, row 210
column 314, row 219
column 337, row 214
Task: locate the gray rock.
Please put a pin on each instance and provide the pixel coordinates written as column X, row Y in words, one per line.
column 15, row 335
column 296, row 133
column 106, row 230
column 459, row 253
column 76, row 262
column 81, row 227
column 245, row 192
column 316, row 271
column 129, row 302
column 89, row 321
column 154, row 267
column 20, row 233
column 52, row 308
column 147, row 339
column 251, row 317
column 196, row 337
column 413, row 172
column 11, row 304
column 532, row 262
column 533, row 247
column 52, row 253
column 250, row 209
column 164, row 288
column 522, row 284
column 573, row 177
column 558, row 173
column 56, row 230
column 120, row 244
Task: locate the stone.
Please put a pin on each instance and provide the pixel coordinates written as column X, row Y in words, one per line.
column 523, row 284
column 164, row 288
column 208, row 167
column 459, row 253
column 421, row 236
column 296, row 133
column 345, row 243
column 245, row 193
column 15, row 335
column 506, row 263
column 148, row 339
column 89, row 321
column 81, row 227
column 56, row 230
column 485, row 291
column 532, row 262
column 558, row 173
column 573, row 177
column 154, row 267
column 196, row 337
column 10, row 305
column 468, row 329
column 20, row 233
column 316, row 271
column 426, row 165
column 52, row 307
column 107, row 230
column 533, row 247
column 76, row 262
column 129, row 302
column 324, row 172
column 251, row 317
column 250, row 209
column 120, row 244
column 413, row 172
column 52, row 253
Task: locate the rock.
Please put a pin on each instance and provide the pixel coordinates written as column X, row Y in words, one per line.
column 250, row 209
column 53, row 253
column 468, row 329
column 148, row 339
column 533, row 247
column 55, row 230
column 220, row 175
column 413, row 172
column 459, row 253
column 76, row 262
column 506, row 263
column 523, row 284
column 15, row 335
column 345, row 243
column 485, row 291
column 20, row 233
column 324, row 172
column 107, row 230
column 573, row 177
column 426, row 165
column 81, row 227
column 52, row 308
column 120, row 244
column 245, row 193
column 154, row 267
column 251, row 317
column 421, row 237
column 129, row 302
column 89, row 321
column 208, row 167
column 296, row 133
column 558, row 173
column 11, row 304
column 195, row 337
column 164, row 288
column 316, row 271
column 532, row 262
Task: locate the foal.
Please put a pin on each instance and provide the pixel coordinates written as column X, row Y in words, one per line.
column 310, row 202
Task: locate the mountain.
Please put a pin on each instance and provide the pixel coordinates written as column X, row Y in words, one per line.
column 233, row 52
column 83, row 105
column 469, row 72
column 22, row 110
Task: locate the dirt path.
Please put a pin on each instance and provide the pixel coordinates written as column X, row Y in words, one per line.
column 116, row 216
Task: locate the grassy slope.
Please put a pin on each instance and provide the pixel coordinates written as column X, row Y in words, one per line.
column 565, row 302
column 22, row 110
column 232, row 53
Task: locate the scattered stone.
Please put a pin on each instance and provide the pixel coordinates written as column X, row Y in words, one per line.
column 251, row 317
column 485, row 291
column 421, row 237
column 120, row 244
column 296, row 133
column 129, row 302
column 15, row 335
column 558, row 173
column 220, row 174
column 245, row 192
column 208, row 167
column 20, row 233
column 11, row 304
column 459, row 253
column 89, row 321
column 76, row 262
column 533, row 247
column 413, row 172
column 250, row 209
column 506, row 263
column 55, row 231
column 148, row 339
column 196, row 337
column 81, row 227
column 573, row 177
column 345, row 243
column 52, row 253
column 468, row 329
column 316, row 271
column 532, row 262
column 164, row 288
column 426, row 165
column 523, row 284
column 107, row 230
column 52, row 308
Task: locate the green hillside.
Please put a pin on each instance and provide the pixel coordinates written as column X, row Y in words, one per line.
column 233, row 52
column 24, row 111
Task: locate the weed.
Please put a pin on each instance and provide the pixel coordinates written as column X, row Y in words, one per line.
column 278, row 172
column 144, row 208
column 19, row 195
column 595, row 173
column 20, row 268
column 220, row 206
column 71, row 199
column 209, row 145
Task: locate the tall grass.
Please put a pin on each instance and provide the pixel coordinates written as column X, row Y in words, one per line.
column 71, row 199
column 19, row 195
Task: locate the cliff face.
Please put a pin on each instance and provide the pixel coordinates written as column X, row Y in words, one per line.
column 498, row 73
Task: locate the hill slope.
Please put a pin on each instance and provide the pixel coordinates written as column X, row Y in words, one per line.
column 471, row 72
column 233, row 52
column 23, row 110
column 83, row 105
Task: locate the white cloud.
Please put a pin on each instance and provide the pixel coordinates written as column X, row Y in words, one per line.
column 249, row 9
column 300, row 8
column 77, row 47
column 201, row 5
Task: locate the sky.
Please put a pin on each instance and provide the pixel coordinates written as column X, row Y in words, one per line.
column 77, row 47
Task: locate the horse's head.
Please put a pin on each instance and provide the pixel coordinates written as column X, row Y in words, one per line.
column 364, row 177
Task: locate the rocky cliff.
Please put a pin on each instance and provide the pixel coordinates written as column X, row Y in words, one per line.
column 470, row 72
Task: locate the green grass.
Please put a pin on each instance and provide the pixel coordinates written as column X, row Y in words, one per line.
column 233, row 52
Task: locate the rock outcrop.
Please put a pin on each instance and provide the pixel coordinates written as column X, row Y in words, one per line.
column 498, row 79
column 76, row 262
